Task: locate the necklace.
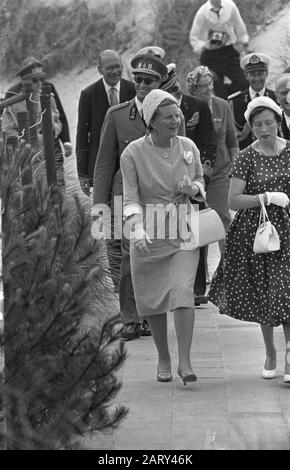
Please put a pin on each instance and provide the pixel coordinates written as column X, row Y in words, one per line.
column 275, row 151
column 165, row 153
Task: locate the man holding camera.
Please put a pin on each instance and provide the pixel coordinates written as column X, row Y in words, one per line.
column 219, row 33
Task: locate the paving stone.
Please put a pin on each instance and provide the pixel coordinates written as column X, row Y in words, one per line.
column 230, row 407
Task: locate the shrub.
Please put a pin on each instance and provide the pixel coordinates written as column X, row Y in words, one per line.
column 59, row 378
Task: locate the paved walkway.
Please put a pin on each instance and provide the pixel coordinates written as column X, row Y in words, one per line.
column 230, row 406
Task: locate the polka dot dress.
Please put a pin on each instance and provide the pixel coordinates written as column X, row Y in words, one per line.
column 249, row 286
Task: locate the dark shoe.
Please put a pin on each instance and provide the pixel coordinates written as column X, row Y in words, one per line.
column 145, row 329
column 200, row 299
column 131, row 331
column 186, row 376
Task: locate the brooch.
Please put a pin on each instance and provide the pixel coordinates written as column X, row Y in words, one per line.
column 188, row 156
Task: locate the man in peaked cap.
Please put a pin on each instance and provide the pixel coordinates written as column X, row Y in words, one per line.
column 31, row 72
column 32, row 67
column 283, row 97
column 256, row 69
column 123, row 124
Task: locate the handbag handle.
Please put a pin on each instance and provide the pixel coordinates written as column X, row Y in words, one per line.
column 263, row 212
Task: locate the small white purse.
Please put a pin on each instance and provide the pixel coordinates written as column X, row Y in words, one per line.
column 266, row 238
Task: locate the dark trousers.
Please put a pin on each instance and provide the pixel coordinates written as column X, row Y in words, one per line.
column 114, row 258
column 128, row 308
column 200, row 278
column 225, row 61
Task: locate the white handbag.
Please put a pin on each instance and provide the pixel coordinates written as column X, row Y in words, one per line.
column 266, row 238
column 206, row 227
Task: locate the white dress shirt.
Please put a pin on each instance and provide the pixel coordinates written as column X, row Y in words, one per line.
column 227, row 20
column 253, row 93
column 108, row 87
column 139, row 105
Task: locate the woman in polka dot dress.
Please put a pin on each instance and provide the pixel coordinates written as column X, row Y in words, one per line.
column 249, row 286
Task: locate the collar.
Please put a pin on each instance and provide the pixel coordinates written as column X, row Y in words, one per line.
column 108, row 87
column 139, row 105
column 216, row 10
column 253, row 93
column 287, row 119
column 212, row 8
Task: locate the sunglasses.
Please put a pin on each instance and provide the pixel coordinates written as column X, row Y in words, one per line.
column 147, row 80
column 36, row 80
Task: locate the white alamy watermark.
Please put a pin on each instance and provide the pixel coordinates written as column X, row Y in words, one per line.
column 171, row 221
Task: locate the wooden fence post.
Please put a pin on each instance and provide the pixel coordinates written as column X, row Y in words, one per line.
column 48, row 137
column 23, row 126
column 3, row 424
column 32, row 109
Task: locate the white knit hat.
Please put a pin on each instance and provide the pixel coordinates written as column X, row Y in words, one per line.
column 263, row 101
column 152, row 101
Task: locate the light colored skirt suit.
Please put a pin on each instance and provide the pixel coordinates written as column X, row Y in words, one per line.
column 163, row 279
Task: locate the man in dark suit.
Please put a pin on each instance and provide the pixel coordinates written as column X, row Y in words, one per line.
column 283, row 98
column 122, row 125
column 256, row 69
column 94, row 102
column 64, row 136
column 200, row 129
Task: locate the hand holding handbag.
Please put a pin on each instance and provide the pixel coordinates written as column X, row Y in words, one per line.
column 266, row 238
column 206, row 227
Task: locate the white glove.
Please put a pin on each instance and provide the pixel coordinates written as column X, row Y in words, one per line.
column 140, row 234
column 279, row 199
column 140, row 239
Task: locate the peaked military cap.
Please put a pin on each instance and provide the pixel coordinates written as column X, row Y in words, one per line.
column 31, row 68
column 255, row 61
column 150, row 64
column 153, row 50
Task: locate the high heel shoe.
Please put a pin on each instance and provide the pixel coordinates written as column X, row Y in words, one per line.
column 287, row 378
column 269, row 373
column 186, row 376
column 164, row 376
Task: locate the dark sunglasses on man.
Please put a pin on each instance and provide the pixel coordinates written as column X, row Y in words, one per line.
column 146, row 80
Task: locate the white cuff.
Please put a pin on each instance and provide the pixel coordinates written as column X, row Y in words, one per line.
column 131, row 210
column 199, row 185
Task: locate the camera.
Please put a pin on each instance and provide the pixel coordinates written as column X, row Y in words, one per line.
column 216, row 38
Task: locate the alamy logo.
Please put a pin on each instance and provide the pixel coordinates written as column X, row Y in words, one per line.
column 171, row 221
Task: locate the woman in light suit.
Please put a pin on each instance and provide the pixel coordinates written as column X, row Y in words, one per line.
column 162, row 170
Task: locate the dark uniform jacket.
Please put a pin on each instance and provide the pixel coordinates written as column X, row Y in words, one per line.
column 199, row 128
column 122, row 125
column 284, row 129
column 93, row 105
column 239, row 102
column 64, row 135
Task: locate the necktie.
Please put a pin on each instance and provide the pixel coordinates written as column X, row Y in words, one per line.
column 113, row 97
column 257, row 95
column 217, row 10
column 141, row 114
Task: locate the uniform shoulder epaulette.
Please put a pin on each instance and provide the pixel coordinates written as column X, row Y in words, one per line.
column 234, row 95
column 119, row 106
